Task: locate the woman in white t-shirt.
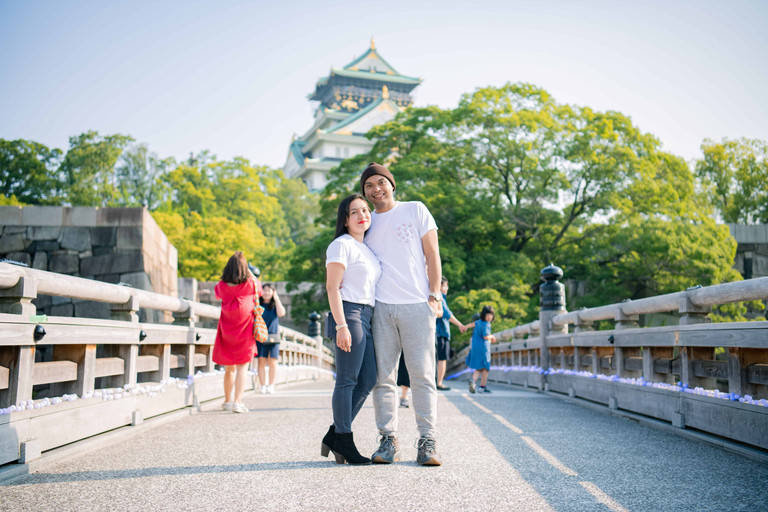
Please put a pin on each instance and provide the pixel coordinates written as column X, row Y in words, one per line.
column 351, row 262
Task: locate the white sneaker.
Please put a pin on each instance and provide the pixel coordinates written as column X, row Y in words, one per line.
column 239, row 408
column 271, row 389
column 227, row 406
column 263, row 390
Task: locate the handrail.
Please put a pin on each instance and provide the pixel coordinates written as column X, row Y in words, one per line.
column 751, row 289
column 61, row 285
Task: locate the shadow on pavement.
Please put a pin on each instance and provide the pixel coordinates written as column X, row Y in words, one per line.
column 79, row 476
column 639, row 467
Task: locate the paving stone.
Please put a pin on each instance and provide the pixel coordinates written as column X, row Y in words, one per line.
column 118, row 263
column 103, row 236
column 85, row 254
column 10, row 216
column 100, row 251
column 120, row 217
column 129, row 238
column 76, row 239
column 14, row 230
column 64, row 263
column 108, row 278
column 92, row 310
column 41, row 215
column 63, row 310
column 138, row 280
column 11, row 243
column 42, row 301
column 44, row 232
column 40, row 262
column 46, row 245
column 79, row 216
column 21, row 257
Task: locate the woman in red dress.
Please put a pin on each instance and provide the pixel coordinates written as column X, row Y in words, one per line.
column 238, row 291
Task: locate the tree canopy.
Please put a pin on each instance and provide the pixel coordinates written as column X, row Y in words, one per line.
column 514, row 179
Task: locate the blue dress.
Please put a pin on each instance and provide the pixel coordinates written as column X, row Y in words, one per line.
column 480, row 354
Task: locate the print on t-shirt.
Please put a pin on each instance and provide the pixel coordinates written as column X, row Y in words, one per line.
column 406, row 233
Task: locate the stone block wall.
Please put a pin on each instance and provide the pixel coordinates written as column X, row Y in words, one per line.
column 106, row 244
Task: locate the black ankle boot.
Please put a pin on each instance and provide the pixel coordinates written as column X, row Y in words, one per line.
column 328, row 440
column 345, row 450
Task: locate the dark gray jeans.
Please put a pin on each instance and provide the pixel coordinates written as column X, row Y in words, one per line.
column 356, row 369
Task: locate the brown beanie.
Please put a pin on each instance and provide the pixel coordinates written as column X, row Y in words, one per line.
column 374, row 168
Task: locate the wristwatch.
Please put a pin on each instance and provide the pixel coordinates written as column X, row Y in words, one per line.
column 437, row 296
column 340, row 327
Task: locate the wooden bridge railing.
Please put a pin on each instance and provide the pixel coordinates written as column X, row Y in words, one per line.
column 149, row 369
column 668, row 373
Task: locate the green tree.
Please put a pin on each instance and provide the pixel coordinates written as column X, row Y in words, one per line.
column 516, row 180
column 734, row 174
column 28, row 171
column 140, row 175
column 88, row 171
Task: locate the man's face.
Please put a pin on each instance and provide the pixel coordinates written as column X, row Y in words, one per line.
column 379, row 191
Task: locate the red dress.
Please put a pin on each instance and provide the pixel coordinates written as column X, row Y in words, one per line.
column 235, row 343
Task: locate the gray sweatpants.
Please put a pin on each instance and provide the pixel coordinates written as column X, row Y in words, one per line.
column 409, row 328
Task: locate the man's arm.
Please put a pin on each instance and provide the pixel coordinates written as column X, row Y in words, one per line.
column 434, row 268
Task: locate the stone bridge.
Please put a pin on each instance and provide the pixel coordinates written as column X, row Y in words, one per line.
column 662, row 418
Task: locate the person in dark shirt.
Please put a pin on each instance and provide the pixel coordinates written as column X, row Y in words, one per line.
column 443, row 336
column 269, row 352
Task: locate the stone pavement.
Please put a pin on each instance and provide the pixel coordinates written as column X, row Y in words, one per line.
column 512, row 450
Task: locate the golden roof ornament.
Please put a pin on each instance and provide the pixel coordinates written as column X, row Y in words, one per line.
column 373, row 43
column 385, row 92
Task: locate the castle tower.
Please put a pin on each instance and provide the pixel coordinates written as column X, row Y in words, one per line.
column 365, row 93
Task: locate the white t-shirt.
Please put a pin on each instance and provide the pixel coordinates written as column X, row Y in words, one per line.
column 361, row 269
column 395, row 239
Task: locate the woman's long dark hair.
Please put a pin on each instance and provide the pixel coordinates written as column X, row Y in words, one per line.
column 487, row 310
column 236, row 270
column 343, row 214
column 271, row 303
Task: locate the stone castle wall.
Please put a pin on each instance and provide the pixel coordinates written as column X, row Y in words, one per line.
column 113, row 245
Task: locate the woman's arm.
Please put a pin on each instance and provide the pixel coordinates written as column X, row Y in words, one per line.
column 279, row 308
column 335, row 273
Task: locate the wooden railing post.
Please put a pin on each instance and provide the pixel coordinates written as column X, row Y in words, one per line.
column 692, row 314
column 20, row 361
column 129, row 354
column 163, row 354
column 626, row 321
column 582, row 325
column 128, row 312
column 85, row 358
column 17, row 300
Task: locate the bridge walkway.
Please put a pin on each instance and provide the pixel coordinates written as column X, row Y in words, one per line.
column 512, row 450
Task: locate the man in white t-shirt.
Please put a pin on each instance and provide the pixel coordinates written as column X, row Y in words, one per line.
column 403, row 236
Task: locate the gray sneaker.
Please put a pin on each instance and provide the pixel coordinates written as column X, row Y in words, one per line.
column 428, row 455
column 388, row 452
column 404, row 402
column 471, row 386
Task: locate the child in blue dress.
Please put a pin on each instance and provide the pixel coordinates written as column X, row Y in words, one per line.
column 479, row 358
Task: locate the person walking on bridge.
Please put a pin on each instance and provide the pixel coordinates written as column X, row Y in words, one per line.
column 443, row 340
column 268, row 352
column 403, row 236
column 238, row 291
column 351, row 262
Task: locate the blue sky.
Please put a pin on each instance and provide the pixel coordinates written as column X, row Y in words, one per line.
column 233, row 76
